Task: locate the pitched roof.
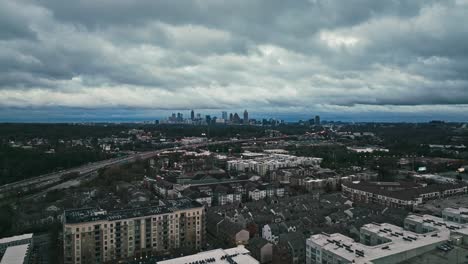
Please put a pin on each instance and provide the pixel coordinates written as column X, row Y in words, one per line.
column 404, row 191
column 257, row 243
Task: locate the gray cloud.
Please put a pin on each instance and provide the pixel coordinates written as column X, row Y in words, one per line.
column 301, row 55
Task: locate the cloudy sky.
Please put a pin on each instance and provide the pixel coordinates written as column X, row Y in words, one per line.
column 118, row 58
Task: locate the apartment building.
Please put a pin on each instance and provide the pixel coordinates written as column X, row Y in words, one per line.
column 399, row 194
column 94, row 236
column 272, row 162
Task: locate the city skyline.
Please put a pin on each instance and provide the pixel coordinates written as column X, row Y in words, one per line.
column 130, row 115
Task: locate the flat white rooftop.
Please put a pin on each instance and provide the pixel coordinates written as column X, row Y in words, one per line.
column 401, row 241
column 15, row 238
column 434, row 221
column 238, row 254
column 15, row 254
column 459, row 211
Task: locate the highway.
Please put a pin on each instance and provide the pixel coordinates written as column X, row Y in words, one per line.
column 51, row 178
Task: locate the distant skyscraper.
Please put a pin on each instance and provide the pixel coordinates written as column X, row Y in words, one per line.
column 236, row 119
column 317, row 120
column 208, row 119
column 224, row 115
column 231, row 116
column 192, row 115
column 246, row 117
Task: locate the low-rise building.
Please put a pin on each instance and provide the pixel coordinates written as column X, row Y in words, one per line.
column 399, row 194
column 232, row 233
column 237, row 254
column 457, row 215
column 386, row 243
column 291, row 248
column 18, row 254
column 261, row 249
column 256, row 194
column 6, row 242
column 271, row 232
column 16, row 249
column 381, row 243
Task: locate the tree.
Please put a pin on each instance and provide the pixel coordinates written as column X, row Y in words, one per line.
column 6, row 220
column 252, row 228
column 386, row 168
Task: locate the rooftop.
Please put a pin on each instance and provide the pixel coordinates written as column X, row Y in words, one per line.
column 93, row 214
column 434, row 221
column 15, row 254
column 235, row 255
column 401, row 191
column 400, row 241
column 15, row 238
column 440, row 256
column 458, row 211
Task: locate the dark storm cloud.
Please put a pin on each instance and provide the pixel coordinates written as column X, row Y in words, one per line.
column 213, row 54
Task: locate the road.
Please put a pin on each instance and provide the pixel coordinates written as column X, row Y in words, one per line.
column 51, row 178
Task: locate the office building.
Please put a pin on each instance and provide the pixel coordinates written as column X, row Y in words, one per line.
column 95, row 236
column 224, row 115
column 317, row 120
column 236, row 119
column 192, row 115
column 237, row 255
column 246, row 117
column 180, row 117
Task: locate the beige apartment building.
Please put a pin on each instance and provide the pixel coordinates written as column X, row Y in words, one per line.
column 97, row 236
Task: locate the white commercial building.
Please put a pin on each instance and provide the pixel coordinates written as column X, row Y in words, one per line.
column 16, row 255
column 458, row 215
column 15, row 249
column 388, row 244
column 381, row 243
column 238, row 254
column 367, row 149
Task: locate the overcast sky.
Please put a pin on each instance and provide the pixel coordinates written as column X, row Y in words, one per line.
column 405, row 58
